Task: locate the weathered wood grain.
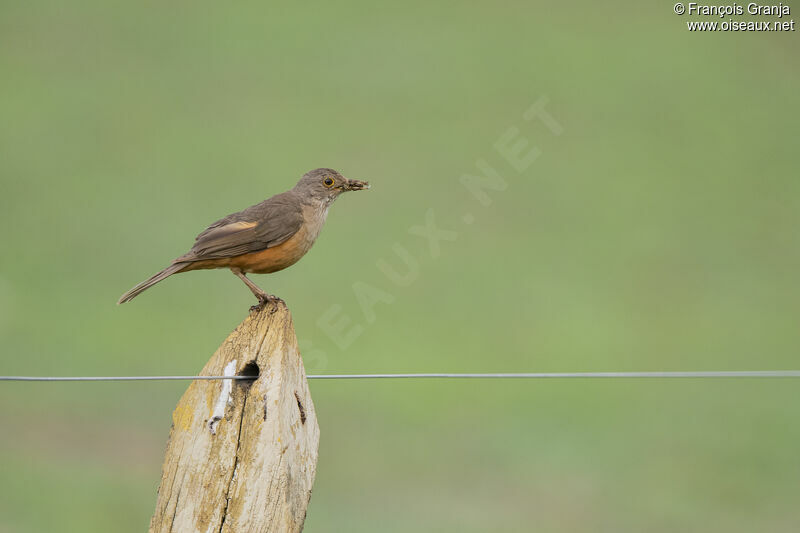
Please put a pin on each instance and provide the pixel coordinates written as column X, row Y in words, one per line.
column 242, row 455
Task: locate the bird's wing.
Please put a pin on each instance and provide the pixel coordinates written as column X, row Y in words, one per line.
column 261, row 226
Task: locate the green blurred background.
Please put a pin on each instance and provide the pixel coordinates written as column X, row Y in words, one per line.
column 657, row 232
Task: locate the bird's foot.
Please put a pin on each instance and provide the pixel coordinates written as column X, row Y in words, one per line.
column 264, row 299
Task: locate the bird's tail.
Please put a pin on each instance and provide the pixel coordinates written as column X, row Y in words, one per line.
column 134, row 292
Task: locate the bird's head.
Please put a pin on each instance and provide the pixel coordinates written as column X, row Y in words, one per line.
column 325, row 185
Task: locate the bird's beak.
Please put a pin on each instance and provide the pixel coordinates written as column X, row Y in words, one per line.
column 356, row 185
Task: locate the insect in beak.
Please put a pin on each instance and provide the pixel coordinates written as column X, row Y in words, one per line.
column 355, row 185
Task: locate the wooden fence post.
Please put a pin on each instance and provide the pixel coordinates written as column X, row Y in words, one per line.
column 242, row 455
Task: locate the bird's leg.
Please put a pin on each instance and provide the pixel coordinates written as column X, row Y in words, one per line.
column 263, row 297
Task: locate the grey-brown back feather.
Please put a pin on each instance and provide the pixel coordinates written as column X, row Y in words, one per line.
column 258, row 227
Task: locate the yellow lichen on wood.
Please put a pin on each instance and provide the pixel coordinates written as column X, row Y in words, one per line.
column 182, row 417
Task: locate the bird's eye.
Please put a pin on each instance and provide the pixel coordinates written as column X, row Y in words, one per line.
column 328, row 182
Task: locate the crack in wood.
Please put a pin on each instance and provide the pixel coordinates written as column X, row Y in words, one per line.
column 301, row 408
column 228, row 495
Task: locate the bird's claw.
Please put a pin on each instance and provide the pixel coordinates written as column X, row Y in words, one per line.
column 264, row 299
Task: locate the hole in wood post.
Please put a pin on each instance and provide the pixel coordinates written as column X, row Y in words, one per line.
column 250, row 370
